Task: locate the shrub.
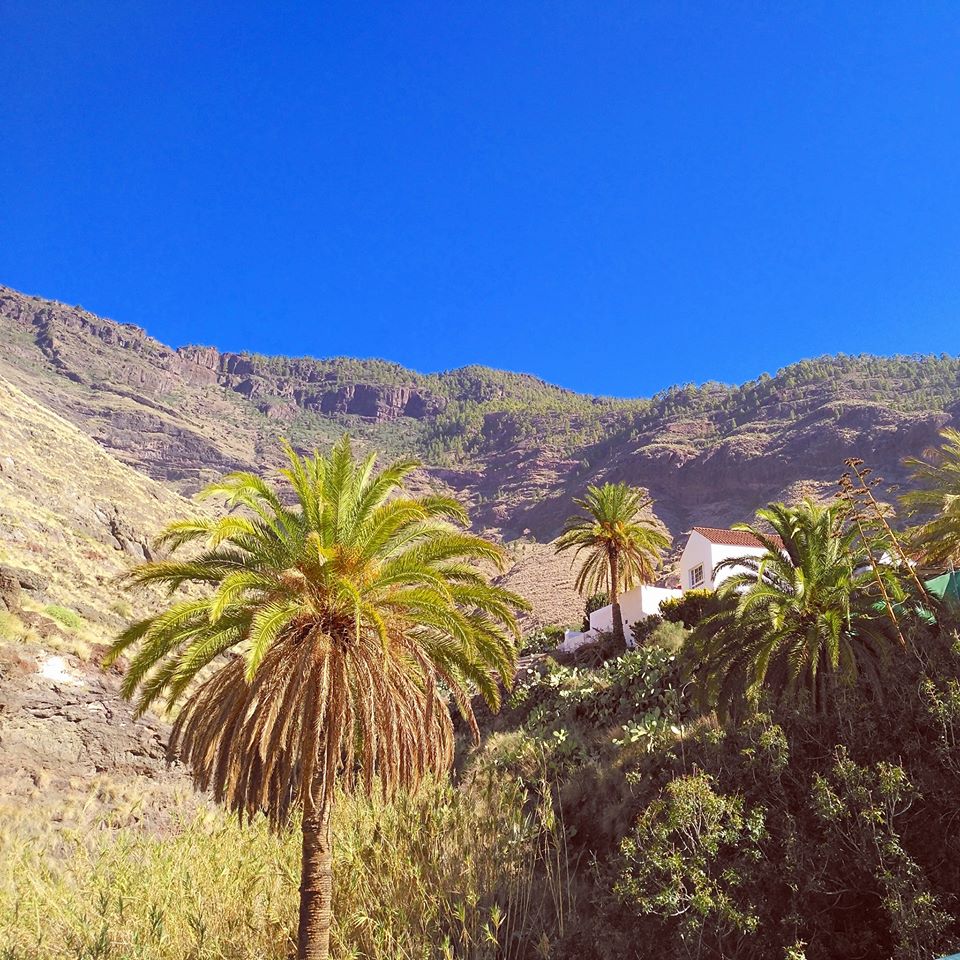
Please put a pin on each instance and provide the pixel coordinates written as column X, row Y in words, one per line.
column 862, row 809
column 655, row 631
column 690, row 608
column 594, row 602
column 64, row 616
column 858, row 853
column 641, row 630
column 633, row 685
column 542, row 639
column 670, row 636
column 687, row 857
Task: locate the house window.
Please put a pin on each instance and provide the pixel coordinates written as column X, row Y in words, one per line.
column 696, row 576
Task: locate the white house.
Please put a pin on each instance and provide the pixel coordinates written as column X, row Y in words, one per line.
column 635, row 604
column 705, row 549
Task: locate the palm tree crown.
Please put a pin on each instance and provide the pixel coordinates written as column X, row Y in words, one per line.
column 936, row 500
column 800, row 617
column 329, row 621
column 622, row 546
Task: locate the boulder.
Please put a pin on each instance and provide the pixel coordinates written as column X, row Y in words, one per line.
column 25, row 579
column 9, row 592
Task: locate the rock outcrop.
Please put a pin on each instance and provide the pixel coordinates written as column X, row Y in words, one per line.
column 13, row 581
column 65, row 335
column 71, row 747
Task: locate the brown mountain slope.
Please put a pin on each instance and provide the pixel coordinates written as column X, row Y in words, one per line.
column 71, row 519
column 516, row 448
column 69, row 511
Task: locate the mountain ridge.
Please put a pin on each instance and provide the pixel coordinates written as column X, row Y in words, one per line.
column 380, row 371
column 515, row 447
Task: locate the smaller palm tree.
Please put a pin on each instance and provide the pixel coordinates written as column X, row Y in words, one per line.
column 936, row 502
column 806, row 614
column 623, row 546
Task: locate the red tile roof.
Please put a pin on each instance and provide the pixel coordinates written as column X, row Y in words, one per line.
column 732, row 538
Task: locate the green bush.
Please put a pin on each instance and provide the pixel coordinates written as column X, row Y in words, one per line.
column 542, row 639
column 863, row 810
column 64, row 616
column 641, row 630
column 670, row 636
column 594, row 602
column 690, row 608
column 686, row 858
column 635, row 684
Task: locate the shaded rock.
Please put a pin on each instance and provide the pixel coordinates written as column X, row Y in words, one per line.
column 43, row 626
column 9, row 592
column 27, row 579
column 64, row 722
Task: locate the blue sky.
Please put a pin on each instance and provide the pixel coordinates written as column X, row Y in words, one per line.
column 613, row 196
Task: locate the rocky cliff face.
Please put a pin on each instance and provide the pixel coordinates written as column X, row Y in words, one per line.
column 710, row 455
column 82, row 347
column 71, row 516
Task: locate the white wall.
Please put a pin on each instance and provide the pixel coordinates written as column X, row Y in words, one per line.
column 722, row 552
column 697, row 551
column 636, row 604
column 573, row 640
column 700, row 550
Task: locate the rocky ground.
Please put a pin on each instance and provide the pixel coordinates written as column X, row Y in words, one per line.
column 73, row 754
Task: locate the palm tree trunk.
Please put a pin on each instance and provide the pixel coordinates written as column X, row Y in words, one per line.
column 618, row 634
column 316, row 885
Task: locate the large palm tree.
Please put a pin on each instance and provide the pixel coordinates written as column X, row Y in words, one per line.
column 935, row 501
column 806, row 614
column 327, row 623
column 623, row 547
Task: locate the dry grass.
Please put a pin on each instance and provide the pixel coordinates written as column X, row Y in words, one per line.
column 14, row 630
column 449, row 873
column 53, row 501
column 70, row 633
column 544, row 578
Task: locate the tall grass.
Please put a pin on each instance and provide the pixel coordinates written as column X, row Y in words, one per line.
column 449, row 873
column 14, row 630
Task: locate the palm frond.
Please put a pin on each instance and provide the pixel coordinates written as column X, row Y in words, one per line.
column 331, row 615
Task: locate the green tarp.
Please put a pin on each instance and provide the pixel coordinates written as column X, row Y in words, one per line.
column 946, row 587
